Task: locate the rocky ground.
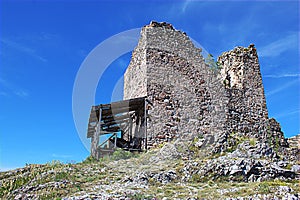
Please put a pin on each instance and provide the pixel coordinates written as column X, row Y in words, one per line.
column 177, row 170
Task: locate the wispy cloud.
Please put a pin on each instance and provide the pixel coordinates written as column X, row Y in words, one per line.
column 22, row 93
column 11, row 89
column 282, row 75
column 22, row 48
column 3, row 94
column 279, row 46
column 286, row 114
column 283, row 87
column 185, row 5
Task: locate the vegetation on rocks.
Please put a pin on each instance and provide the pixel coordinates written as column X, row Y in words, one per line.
column 156, row 174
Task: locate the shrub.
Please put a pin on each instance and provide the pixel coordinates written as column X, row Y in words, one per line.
column 214, row 65
column 252, row 142
column 121, row 154
column 89, row 159
column 264, row 187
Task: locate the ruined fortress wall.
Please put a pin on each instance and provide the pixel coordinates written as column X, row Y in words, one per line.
column 189, row 99
column 247, row 110
column 135, row 77
column 178, row 83
column 177, row 107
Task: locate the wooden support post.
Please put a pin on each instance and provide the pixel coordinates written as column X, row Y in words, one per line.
column 130, row 129
column 145, row 124
column 115, row 134
column 95, row 139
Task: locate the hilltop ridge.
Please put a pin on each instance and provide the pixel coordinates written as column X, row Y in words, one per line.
column 206, row 133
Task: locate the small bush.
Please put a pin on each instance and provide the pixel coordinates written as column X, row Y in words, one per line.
column 54, row 163
column 139, row 196
column 214, row 65
column 264, row 187
column 120, row 154
column 252, row 142
column 89, row 160
column 61, row 176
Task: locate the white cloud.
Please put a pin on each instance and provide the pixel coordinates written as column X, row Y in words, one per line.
column 282, row 76
column 11, row 89
column 283, row 87
column 22, row 48
column 279, row 46
column 22, row 93
column 286, row 114
column 185, row 5
column 3, row 94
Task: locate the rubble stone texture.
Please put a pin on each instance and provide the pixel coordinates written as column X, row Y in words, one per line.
column 190, row 98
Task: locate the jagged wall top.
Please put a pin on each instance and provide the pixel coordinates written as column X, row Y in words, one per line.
column 161, row 35
column 160, row 24
column 233, row 70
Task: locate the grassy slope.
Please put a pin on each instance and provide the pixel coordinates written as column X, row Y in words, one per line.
column 110, row 176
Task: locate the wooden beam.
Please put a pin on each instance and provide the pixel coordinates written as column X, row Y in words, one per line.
column 113, row 123
column 116, row 117
column 110, row 114
column 115, row 111
column 113, row 129
column 145, row 124
column 95, row 140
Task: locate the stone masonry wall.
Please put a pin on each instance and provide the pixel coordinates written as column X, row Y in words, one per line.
column 242, row 79
column 135, row 77
column 190, row 99
column 178, row 84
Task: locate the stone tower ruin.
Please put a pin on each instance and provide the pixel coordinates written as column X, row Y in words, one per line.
column 189, row 98
column 172, row 92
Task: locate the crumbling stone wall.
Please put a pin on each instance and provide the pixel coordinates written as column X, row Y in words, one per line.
column 177, row 84
column 190, row 99
column 247, row 110
column 135, row 77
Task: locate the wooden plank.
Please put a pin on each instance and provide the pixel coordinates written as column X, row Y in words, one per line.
column 113, row 129
column 130, row 113
column 89, row 134
column 92, row 128
column 128, row 102
column 110, row 114
column 111, row 122
column 95, row 140
column 121, row 110
column 124, row 103
column 93, row 119
column 93, row 115
column 113, row 125
column 106, row 132
column 116, row 117
column 94, row 108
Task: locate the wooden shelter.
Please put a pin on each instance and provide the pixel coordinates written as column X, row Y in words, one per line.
column 121, row 124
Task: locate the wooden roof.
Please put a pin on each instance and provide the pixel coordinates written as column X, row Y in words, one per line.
column 114, row 115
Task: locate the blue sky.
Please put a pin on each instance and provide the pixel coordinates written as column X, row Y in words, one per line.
column 43, row 44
